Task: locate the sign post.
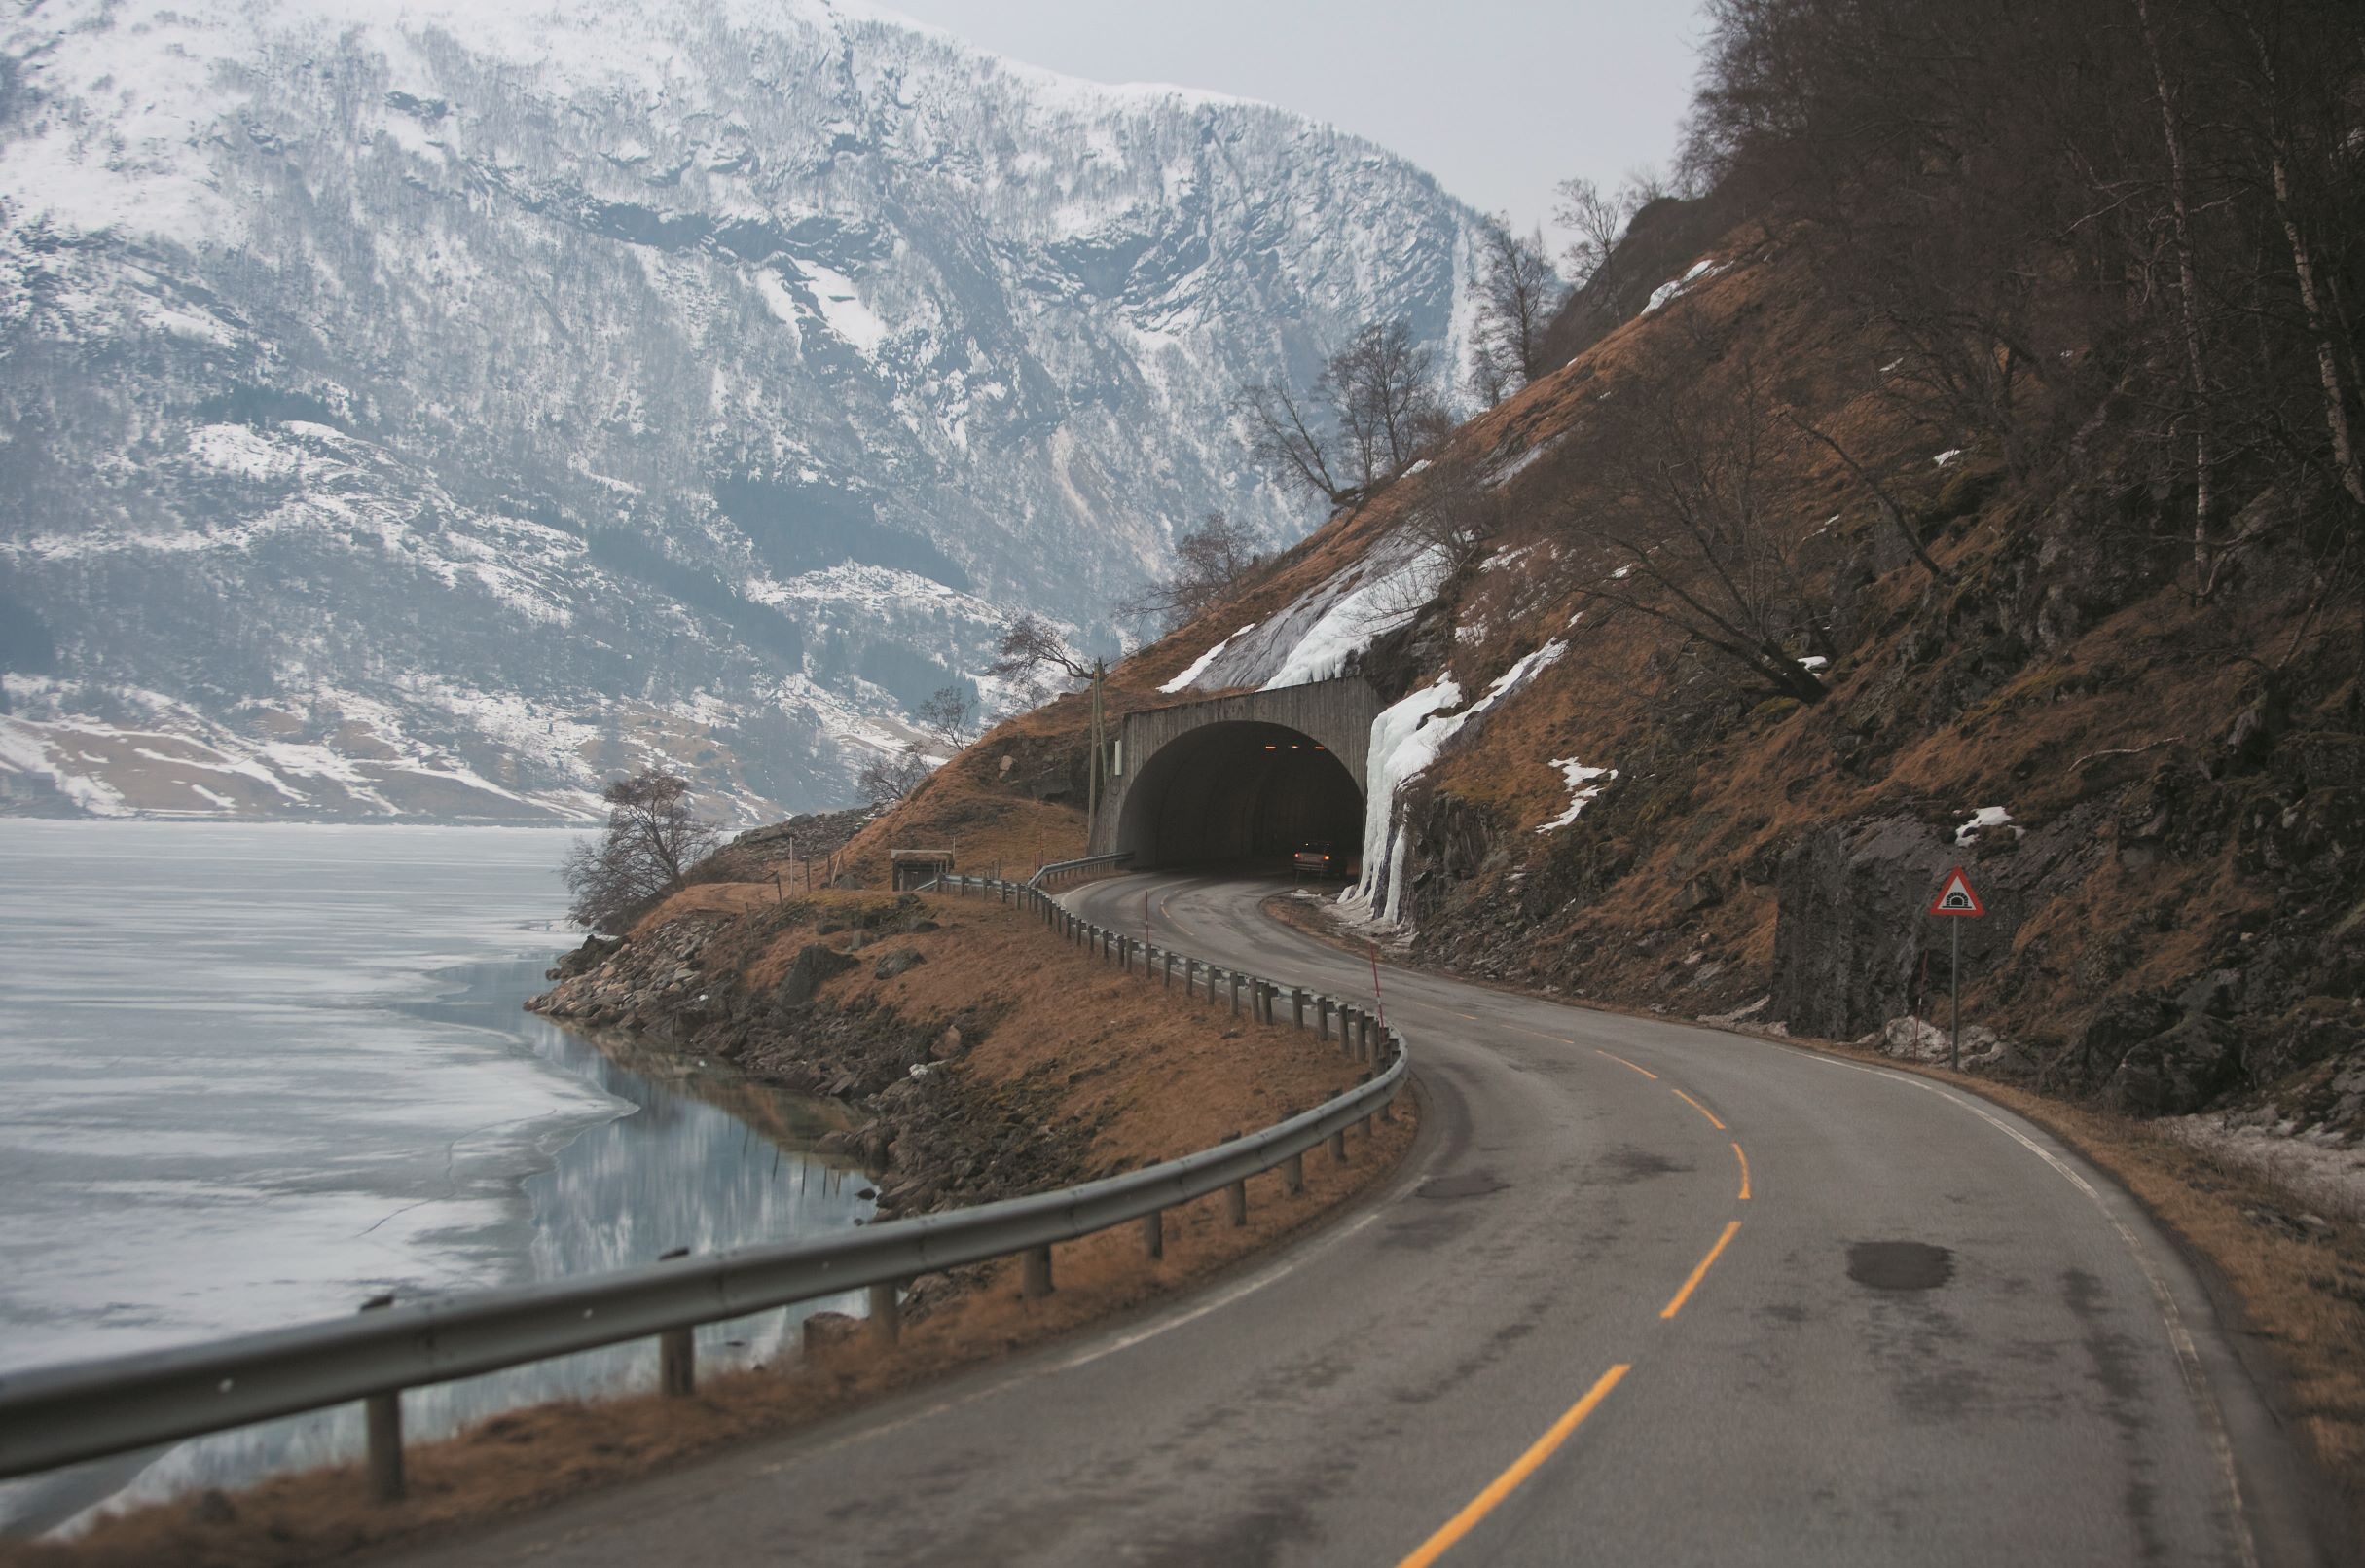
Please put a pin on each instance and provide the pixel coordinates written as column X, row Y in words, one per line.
column 1957, row 900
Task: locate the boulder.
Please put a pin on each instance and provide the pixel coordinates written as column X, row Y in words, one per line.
column 2176, row 1070
column 594, row 951
column 902, row 961
column 1700, row 892
column 813, row 968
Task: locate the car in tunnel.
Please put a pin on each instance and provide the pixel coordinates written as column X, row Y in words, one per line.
column 1319, row 859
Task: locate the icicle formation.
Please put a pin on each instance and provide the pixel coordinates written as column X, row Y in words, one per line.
column 1406, row 738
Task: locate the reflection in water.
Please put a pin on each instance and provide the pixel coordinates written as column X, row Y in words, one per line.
column 693, row 1155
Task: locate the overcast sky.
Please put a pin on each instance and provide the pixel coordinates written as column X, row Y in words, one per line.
column 1500, row 99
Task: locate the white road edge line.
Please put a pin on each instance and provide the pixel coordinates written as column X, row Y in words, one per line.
column 2180, row 1338
column 1298, row 1259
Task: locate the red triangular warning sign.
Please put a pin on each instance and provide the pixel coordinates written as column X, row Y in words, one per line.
column 1956, row 897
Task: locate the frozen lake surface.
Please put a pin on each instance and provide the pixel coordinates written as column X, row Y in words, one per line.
column 252, row 1074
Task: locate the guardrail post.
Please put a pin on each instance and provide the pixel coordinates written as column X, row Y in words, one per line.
column 1235, row 1196
column 677, row 1349
column 1294, row 1174
column 1297, row 1007
column 1153, row 1234
column 1034, row 1272
column 1234, row 978
column 1360, row 1080
column 1322, row 1017
column 885, row 1315
column 385, row 1419
column 1338, row 1146
column 1346, row 1028
column 1166, row 964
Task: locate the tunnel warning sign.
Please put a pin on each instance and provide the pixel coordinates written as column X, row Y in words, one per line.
column 1956, row 897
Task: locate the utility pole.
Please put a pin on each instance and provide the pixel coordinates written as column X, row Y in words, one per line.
column 1092, row 787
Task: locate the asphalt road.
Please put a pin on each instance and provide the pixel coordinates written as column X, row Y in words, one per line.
column 1643, row 1293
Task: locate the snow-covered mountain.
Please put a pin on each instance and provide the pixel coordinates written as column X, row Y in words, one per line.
column 429, row 406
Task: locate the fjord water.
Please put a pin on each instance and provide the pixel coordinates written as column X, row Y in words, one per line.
column 254, row 1075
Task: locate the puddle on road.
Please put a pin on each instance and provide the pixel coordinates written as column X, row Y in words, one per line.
column 1899, row 1265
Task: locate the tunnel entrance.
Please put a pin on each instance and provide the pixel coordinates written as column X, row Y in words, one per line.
column 1242, row 791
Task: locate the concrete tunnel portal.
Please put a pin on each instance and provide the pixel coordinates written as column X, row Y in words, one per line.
column 1249, row 776
column 1241, row 791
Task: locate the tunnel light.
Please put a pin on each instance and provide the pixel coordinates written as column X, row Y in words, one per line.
column 1272, row 747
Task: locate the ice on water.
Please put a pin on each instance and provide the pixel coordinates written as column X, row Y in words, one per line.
column 255, row 1074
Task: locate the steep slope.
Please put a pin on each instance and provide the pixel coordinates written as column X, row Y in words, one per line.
column 423, row 409
column 2157, row 802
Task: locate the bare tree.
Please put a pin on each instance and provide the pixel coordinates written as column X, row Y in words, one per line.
column 1288, row 437
column 1689, row 533
column 886, row 779
column 1212, row 559
column 1030, row 648
column 1597, row 219
column 1455, row 515
column 1517, row 294
column 1489, row 380
column 1383, row 387
column 1865, row 475
column 949, row 713
column 652, row 840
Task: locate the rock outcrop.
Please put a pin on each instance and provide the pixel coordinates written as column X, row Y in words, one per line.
column 930, row 1137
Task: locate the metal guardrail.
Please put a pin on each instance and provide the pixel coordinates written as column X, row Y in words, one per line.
column 1068, row 868
column 60, row 1415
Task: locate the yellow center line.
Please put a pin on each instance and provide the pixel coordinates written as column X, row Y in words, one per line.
column 1623, row 1062
column 1744, row 1159
column 1702, row 1108
column 1166, row 912
column 1701, row 1273
column 1503, row 1486
column 1472, row 1016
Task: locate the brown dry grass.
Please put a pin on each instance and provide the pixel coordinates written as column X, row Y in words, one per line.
column 1154, row 1074
column 1157, row 1075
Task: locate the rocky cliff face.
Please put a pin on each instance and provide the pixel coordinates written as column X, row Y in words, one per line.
column 423, row 409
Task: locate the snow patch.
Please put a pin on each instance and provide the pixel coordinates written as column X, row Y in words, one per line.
column 842, row 306
column 1674, row 288
column 1983, row 818
column 1406, row 738
column 1582, row 792
column 1385, row 600
column 1198, row 666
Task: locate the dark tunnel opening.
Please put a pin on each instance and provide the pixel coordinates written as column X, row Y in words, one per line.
column 1241, row 791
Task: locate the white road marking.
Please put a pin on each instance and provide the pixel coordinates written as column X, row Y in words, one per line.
column 2180, row 1339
